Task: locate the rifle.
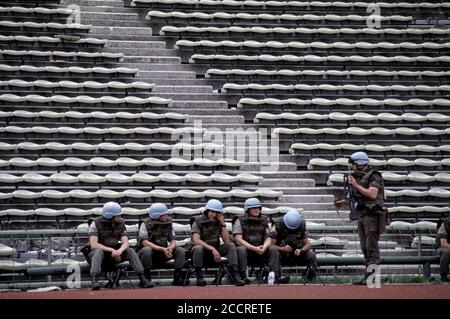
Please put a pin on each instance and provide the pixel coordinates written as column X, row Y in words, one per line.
column 352, row 194
column 352, row 197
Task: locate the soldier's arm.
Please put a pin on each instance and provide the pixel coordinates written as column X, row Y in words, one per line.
column 444, row 243
column 242, row 242
column 273, row 239
column 173, row 244
column 268, row 240
column 267, row 243
column 224, row 234
column 341, row 202
column 144, row 235
column 147, row 243
column 280, row 248
column 285, row 248
column 306, row 245
column 93, row 241
column 371, row 192
column 198, row 241
column 125, row 245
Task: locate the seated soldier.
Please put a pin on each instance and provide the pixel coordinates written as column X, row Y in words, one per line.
column 104, row 235
column 291, row 239
column 206, row 233
column 251, row 234
column 443, row 244
column 154, row 235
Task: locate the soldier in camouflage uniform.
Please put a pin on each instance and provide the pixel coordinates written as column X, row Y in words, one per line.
column 291, row 239
column 369, row 186
column 443, row 244
column 105, row 233
column 251, row 235
column 206, row 233
column 155, row 233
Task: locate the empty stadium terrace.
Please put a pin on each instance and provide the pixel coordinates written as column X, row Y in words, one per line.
column 143, row 101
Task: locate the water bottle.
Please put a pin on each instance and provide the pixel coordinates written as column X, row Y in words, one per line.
column 271, row 278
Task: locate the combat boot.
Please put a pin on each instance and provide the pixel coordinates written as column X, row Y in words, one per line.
column 444, row 277
column 244, row 277
column 235, row 280
column 199, row 273
column 143, row 282
column 279, row 280
column 363, row 280
column 94, row 282
column 311, row 273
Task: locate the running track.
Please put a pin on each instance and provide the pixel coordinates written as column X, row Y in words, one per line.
column 248, row 292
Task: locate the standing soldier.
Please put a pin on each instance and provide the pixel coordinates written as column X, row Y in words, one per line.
column 154, row 235
column 443, row 243
column 251, row 234
column 368, row 185
column 206, row 233
column 104, row 235
column 290, row 237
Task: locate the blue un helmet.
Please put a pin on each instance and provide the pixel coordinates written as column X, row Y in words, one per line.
column 292, row 219
column 214, row 205
column 251, row 203
column 157, row 210
column 359, row 158
column 111, row 209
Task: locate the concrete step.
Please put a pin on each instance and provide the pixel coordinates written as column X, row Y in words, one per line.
column 182, row 89
column 288, row 190
column 191, row 97
column 198, row 104
column 94, row 3
column 319, row 198
column 174, row 81
column 155, row 76
column 109, row 16
column 186, row 81
column 131, row 51
column 283, row 182
column 120, row 37
column 210, row 112
column 115, row 23
column 208, row 119
column 158, row 67
column 103, row 9
column 267, row 167
column 153, row 59
column 125, row 31
column 131, row 45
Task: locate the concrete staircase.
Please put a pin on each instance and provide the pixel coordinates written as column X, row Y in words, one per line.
column 127, row 32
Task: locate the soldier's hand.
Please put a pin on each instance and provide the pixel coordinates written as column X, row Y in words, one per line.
column 167, row 252
column 352, row 181
column 216, row 255
column 260, row 250
column 115, row 253
column 340, row 203
column 221, row 218
column 287, row 249
column 297, row 252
